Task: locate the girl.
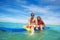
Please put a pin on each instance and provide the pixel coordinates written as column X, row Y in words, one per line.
column 40, row 23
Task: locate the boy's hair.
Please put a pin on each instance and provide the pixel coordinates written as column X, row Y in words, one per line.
column 32, row 14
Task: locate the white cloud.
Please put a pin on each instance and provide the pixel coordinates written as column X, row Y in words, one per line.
column 34, row 8
column 47, row 1
column 13, row 20
column 50, row 0
column 19, row 2
column 41, row 10
column 50, row 17
column 52, row 21
column 16, row 12
column 12, row 10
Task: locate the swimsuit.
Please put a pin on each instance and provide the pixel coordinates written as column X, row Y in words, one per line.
column 40, row 23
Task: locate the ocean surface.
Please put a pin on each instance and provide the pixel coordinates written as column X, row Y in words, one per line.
column 53, row 33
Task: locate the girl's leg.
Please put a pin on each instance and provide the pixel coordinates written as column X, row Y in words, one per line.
column 40, row 27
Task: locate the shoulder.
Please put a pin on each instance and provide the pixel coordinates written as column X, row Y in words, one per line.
column 42, row 21
column 29, row 18
column 34, row 18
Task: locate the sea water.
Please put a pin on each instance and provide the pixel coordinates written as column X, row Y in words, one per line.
column 53, row 33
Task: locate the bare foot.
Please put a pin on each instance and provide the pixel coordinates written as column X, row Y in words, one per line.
column 32, row 34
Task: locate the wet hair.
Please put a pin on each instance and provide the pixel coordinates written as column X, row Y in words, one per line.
column 38, row 17
column 32, row 14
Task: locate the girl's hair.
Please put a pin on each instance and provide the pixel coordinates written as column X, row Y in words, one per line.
column 38, row 17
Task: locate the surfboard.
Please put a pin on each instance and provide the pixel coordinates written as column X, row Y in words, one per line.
column 18, row 29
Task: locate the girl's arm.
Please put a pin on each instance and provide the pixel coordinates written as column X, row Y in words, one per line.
column 44, row 24
column 36, row 23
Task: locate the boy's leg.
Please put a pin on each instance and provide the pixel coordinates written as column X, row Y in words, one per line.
column 32, row 30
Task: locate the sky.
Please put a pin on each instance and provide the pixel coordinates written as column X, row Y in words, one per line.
column 19, row 11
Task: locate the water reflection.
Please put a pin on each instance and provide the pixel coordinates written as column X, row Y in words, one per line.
column 38, row 35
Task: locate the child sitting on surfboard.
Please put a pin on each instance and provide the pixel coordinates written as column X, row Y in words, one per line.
column 32, row 20
column 31, row 23
column 40, row 23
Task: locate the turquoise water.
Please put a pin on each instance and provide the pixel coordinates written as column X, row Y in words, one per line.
column 11, row 25
column 49, row 34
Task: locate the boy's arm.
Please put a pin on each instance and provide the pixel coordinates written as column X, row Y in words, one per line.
column 29, row 22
